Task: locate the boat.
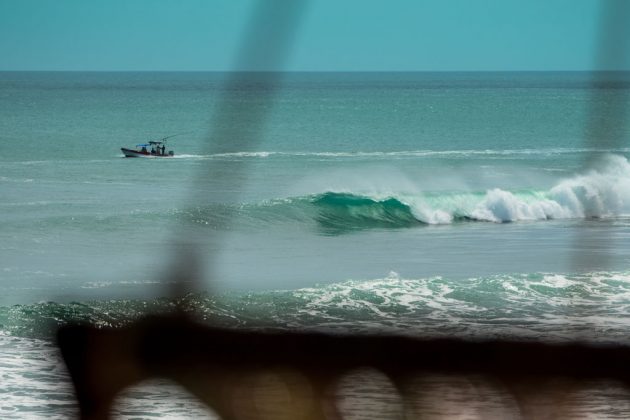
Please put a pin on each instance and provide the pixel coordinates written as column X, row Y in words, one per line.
column 158, row 150
column 152, row 149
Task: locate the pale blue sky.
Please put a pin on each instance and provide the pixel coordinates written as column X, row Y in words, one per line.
column 334, row 35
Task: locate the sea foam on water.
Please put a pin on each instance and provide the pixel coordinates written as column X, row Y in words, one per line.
column 600, row 193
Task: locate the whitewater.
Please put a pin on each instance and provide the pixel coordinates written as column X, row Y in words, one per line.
column 599, row 193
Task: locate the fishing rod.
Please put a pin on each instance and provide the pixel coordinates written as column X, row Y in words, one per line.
column 174, row 135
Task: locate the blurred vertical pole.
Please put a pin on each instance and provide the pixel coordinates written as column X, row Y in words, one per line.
column 606, row 127
column 237, row 126
column 607, row 119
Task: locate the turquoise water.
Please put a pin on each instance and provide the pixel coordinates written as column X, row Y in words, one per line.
column 417, row 203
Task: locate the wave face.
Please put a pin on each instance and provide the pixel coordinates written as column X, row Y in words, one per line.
column 553, row 307
column 339, row 210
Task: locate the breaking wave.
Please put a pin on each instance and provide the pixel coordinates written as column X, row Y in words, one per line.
column 603, row 192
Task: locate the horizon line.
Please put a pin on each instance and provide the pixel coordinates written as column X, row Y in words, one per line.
column 316, row 71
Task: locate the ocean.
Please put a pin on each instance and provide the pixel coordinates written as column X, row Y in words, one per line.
column 472, row 205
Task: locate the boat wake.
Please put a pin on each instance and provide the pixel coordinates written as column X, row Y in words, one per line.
column 490, row 153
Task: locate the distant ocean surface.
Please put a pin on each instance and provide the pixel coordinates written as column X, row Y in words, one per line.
column 428, row 204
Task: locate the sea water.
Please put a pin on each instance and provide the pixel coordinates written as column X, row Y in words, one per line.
column 474, row 205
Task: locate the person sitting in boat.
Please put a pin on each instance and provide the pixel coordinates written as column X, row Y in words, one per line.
column 144, row 150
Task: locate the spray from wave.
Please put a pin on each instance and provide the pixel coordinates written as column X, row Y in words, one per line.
column 600, row 193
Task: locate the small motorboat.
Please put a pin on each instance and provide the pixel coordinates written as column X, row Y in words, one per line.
column 152, row 149
column 158, row 150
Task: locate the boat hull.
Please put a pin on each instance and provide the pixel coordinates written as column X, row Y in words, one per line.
column 137, row 154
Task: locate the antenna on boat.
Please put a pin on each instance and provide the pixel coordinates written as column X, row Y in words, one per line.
column 174, row 135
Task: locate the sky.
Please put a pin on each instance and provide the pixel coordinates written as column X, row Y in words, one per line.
column 331, row 35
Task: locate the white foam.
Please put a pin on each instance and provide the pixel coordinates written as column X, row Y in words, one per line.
column 431, row 216
column 188, row 156
column 551, row 305
column 503, row 206
column 600, row 193
column 261, row 154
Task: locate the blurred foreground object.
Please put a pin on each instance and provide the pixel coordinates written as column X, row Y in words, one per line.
column 272, row 375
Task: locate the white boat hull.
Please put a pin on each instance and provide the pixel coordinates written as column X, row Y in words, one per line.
column 138, row 154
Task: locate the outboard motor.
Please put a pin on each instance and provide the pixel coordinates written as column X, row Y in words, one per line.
column 171, row 153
